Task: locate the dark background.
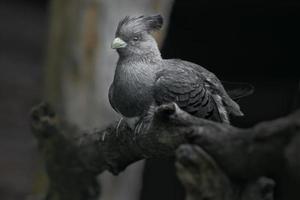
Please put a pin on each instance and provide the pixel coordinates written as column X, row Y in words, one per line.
column 250, row 41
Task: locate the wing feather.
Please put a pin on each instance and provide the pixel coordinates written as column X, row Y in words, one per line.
column 187, row 88
column 213, row 84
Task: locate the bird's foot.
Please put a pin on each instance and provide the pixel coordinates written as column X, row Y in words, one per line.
column 138, row 128
column 142, row 126
column 118, row 125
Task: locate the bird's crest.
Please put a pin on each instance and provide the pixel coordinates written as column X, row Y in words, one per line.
column 140, row 23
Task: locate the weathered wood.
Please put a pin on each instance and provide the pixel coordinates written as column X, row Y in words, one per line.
column 234, row 156
column 242, row 163
column 204, row 180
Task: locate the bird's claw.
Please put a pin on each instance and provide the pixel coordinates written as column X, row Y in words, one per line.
column 138, row 128
column 118, row 125
column 141, row 127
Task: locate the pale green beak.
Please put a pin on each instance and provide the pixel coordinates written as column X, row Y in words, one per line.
column 118, row 43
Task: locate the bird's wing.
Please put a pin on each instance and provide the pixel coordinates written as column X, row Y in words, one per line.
column 187, row 88
column 214, row 85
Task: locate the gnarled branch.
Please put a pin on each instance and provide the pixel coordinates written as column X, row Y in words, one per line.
column 74, row 158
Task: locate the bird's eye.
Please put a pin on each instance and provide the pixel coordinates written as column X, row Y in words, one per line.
column 135, row 38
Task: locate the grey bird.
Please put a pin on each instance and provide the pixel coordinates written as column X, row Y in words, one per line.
column 143, row 79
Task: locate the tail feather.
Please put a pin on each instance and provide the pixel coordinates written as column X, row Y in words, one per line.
column 221, row 108
column 238, row 90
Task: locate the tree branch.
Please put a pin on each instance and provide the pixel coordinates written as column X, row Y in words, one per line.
column 204, row 180
column 73, row 158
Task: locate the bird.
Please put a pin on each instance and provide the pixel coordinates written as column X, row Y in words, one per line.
column 144, row 80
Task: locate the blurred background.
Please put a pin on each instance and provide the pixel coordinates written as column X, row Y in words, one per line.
column 59, row 51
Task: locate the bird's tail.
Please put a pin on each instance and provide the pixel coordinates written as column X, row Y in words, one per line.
column 222, row 113
column 238, row 90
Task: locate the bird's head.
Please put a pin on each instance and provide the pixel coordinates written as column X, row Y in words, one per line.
column 133, row 36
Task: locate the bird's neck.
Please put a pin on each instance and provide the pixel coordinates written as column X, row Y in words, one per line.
column 137, row 70
column 147, row 58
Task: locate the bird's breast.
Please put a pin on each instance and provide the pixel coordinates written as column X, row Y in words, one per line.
column 133, row 91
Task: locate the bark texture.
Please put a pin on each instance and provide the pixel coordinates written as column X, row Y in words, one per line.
column 214, row 161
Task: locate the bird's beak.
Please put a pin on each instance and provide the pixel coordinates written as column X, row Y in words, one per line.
column 118, row 43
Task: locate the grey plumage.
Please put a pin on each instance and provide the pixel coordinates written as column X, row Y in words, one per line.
column 143, row 79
